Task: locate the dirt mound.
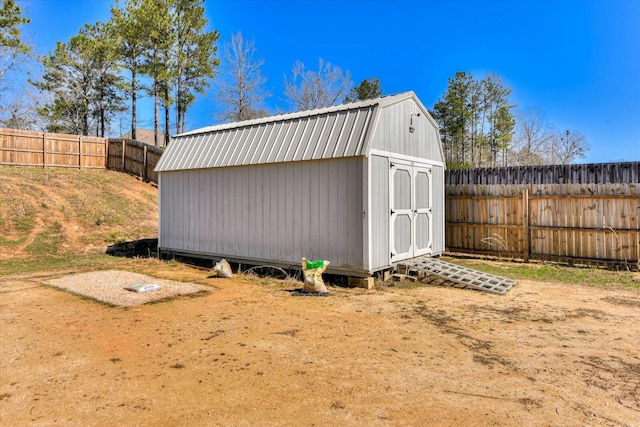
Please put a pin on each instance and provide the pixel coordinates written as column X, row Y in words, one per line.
column 59, row 211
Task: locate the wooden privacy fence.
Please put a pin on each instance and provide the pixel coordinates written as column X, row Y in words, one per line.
column 39, row 149
column 134, row 157
column 596, row 222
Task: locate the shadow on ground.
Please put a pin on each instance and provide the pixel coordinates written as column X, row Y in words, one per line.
column 144, row 248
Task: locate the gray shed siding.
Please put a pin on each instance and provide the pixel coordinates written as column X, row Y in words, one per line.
column 274, row 213
column 392, row 133
column 379, row 212
column 437, row 175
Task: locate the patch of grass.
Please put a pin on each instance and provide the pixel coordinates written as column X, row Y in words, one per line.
column 25, row 222
column 88, row 203
column 47, row 241
column 17, row 222
column 399, row 284
column 12, row 243
column 56, row 262
column 111, row 209
column 116, row 237
column 556, row 273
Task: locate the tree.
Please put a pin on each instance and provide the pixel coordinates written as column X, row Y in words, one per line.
column 504, row 123
column 566, row 147
column 475, row 119
column 196, row 59
column 108, row 84
column 68, row 77
column 367, row 89
column 83, row 84
column 500, row 118
column 156, row 58
column 241, row 85
column 532, row 137
column 308, row 90
column 21, row 111
column 129, row 35
column 13, row 51
column 166, row 41
column 453, row 115
column 537, row 142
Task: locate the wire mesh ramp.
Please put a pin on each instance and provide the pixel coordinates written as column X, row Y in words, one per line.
column 466, row 277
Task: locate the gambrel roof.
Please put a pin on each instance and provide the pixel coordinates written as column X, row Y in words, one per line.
column 339, row 131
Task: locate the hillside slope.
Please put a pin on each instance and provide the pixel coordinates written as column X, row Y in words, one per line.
column 59, row 211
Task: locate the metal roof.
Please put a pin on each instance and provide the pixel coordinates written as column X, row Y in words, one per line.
column 338, row 131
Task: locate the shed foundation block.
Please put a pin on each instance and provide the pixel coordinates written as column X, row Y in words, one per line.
column 361, row 282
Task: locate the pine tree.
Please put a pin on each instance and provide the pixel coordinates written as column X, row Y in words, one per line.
column 83, row 83
column 195, row 58
column 129, row 35
column 367, row 89
column 475, row 119
column 454, row 117
column 13, row 50
column 156, row 19
column 108, row 84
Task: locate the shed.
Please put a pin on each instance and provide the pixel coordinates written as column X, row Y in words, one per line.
column 359, row 184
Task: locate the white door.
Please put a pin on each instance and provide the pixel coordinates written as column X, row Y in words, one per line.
column 422, row 210
column 410, row 203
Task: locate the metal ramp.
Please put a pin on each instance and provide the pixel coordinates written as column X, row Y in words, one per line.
column 461, row 276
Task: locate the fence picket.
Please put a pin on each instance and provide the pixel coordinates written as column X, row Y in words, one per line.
column 553, row 221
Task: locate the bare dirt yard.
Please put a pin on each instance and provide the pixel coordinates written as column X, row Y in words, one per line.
column 250, row 353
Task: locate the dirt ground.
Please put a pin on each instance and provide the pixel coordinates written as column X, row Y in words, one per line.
column 249, row 353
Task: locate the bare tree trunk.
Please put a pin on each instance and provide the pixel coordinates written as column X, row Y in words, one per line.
column 156, row 114
column 178, row 106
column 133, row 103
column 102, row 118
column 166, row 115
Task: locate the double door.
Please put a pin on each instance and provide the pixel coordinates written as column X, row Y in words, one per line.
column 410, row 201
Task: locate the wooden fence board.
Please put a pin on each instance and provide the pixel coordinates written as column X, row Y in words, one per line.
column 134, row 157
column 28, row 148
column 578, row 221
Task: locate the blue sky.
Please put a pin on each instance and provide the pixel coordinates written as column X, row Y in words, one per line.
column 578, row 61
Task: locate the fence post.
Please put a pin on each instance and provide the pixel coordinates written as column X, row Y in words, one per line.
column 525, row 225
column 80, row 152
column 124, row 146
column 144, row 163
column 106, row 153
column 44, row 150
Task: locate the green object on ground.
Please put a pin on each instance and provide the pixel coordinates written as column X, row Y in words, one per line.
column 312, row 265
